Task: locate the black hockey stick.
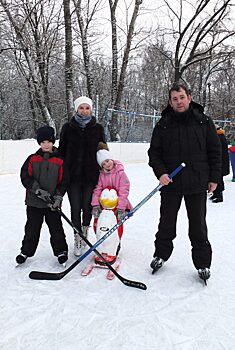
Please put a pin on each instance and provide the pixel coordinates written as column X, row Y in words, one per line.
column 40, row 275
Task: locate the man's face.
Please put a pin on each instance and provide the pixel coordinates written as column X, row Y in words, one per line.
column 180, row 101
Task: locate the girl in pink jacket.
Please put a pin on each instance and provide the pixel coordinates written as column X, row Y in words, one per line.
column 112, row 176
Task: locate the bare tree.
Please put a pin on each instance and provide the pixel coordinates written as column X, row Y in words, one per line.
column 155, row 76
column 222, row 85
column 113, row 21
column 68, row 59
column 130, row 35
column 83, row 28
column 210, row 68
column 118, row 79
column 38, row 43
column 36, row 36
column 199, row 37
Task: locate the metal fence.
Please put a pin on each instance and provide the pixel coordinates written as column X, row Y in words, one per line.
column 132, row 126
column 228, row 126
column 137, row 127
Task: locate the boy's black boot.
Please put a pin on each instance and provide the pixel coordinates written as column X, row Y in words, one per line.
column 62, row 257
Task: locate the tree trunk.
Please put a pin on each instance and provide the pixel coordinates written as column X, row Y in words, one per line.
column 113, row 126
column 125, row 60
column 113, row 7
column 36, row 83
column 85, row 48
column 68, row 59
column 118, row 86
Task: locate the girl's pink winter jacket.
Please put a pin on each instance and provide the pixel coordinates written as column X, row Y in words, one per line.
column 117, row 179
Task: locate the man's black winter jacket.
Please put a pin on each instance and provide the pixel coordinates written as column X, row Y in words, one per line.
column 191, row 138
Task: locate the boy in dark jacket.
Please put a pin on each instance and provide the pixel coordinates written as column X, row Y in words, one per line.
column 43, row 176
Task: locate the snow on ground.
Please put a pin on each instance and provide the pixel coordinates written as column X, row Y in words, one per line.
column 176, row 312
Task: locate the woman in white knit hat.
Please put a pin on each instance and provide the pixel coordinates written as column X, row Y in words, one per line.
column 78, row 144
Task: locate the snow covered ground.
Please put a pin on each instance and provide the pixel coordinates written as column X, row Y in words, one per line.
column 176, row 312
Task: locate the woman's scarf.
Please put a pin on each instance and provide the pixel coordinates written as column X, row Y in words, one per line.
column 82, row 121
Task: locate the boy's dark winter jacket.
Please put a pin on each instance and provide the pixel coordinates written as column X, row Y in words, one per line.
column 79, row 146
column 188, row 137
column 46, row 171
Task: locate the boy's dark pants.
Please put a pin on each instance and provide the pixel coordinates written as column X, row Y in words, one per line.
column 196, row 211
column 35, row 218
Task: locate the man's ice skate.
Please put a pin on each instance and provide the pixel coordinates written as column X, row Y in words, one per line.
column 204, row 274
column 20, row 259
column 156, row 264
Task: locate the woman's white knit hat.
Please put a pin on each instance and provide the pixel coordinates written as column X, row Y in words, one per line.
column 102, row 155
column 80, row 100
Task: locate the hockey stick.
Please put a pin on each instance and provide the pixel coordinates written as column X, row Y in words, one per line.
column 60, row 275
column 57, row 276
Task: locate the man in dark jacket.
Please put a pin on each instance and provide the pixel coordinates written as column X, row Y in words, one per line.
column 185, row 134
column 217, row 196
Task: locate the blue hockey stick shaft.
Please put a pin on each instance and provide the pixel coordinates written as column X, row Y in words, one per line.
column 128, row 215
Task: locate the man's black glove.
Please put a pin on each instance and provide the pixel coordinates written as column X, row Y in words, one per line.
column 44, row 195
column 57, row 202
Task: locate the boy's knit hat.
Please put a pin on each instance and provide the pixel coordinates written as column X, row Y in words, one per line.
column 81, row 100
column 45, row 133
column 102, row 155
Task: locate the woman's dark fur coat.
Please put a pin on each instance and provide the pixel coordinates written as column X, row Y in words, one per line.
column 79, row 146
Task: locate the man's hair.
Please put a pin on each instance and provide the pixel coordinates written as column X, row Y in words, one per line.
column 177, row 87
